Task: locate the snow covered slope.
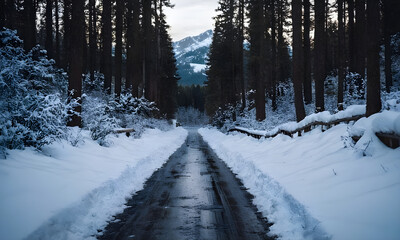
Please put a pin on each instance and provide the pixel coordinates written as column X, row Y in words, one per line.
column 318, row 186
column 191, row 54
column 69, row 192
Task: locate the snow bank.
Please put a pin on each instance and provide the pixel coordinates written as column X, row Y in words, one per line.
column 69, row 192
column 384, row 122
column 309, row 184
column 325, row 117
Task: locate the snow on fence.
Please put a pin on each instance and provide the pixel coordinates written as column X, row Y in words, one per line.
column 306, row 128
column 324, row 120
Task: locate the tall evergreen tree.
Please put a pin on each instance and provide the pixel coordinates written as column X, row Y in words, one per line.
column 2, row 13
column 351, row 45
column 319, row 55
column 107, row 45
column 297, row 68
column 76, row 48
column 29, row 31
column 49, row 28
column 57, row 50
column 387, row 41
column 119, row 24
column 148, row 67
column 257, row 60
column 307, row 53
column 167, row 69
column 223, row 61
column 66, row 33
column 92, row 38
column 360, row 33
column 273, row 54
column 373, row 68
column 342, row 60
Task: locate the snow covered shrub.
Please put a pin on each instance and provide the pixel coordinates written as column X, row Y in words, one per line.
column 191, row 116
column 33, row 96
column 102, row 113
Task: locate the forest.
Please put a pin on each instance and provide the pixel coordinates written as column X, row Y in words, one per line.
column 304, row 43
column 91, row 64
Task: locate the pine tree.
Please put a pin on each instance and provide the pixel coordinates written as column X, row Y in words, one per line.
column 57, row 33
column 307, row 53
column 119, row 24
column 297, row 68
column 257, row 55
column 29, row 31
column 223, row 60
column 92, row 38
column 49, row 28
column 76, row 48
column 360, row 34
column 341, row 40
column 67, row 31
column 319, row 55
column 387, row 41
column 351, row 45
column 2, row 13
column 167, row 69
column 107, row 45
column 373, row 68
column 273, row 54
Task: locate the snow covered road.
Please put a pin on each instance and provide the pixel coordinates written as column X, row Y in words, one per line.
column 317, row 186
column 194, row 196
column 68, row 192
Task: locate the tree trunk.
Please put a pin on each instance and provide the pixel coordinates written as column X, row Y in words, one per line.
column 341, row 47
column 281, row 42
column 67, row 30
column 10, row 14
column 147, row 67
column 351, row 35
column 118, row 46
column 29, row 24
column 373, row 71
column 129, row 46
column 319, row 55
column 297, row 67
column 307, row 54
column 57, row 47
column 49, row 28
column 273, row 55
column 76, row 48
column 92, row 38
column 136, row 49
column 258, row 57
column 360, row 40
column 2, row 13
column 107, row 45
column 388, row 47
column 240, row 63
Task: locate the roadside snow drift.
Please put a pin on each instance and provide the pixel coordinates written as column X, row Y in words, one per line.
column 318, row 186
column 70, row 192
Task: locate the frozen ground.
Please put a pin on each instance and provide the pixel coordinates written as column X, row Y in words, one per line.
column 68, row 192
column 320, row 185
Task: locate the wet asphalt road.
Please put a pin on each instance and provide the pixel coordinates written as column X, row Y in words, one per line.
column 193, row 196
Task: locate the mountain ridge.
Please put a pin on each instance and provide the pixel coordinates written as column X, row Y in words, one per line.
column 191, row 56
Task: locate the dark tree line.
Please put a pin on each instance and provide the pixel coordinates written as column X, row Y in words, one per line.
column 126, row 40
column 347, row 38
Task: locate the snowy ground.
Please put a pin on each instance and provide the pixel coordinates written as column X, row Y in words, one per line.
column 319, row 185
column 69, row 192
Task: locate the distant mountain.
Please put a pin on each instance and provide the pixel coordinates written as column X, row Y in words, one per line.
column 191, row 54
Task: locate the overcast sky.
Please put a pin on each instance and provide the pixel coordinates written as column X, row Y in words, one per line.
column 190, row 17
